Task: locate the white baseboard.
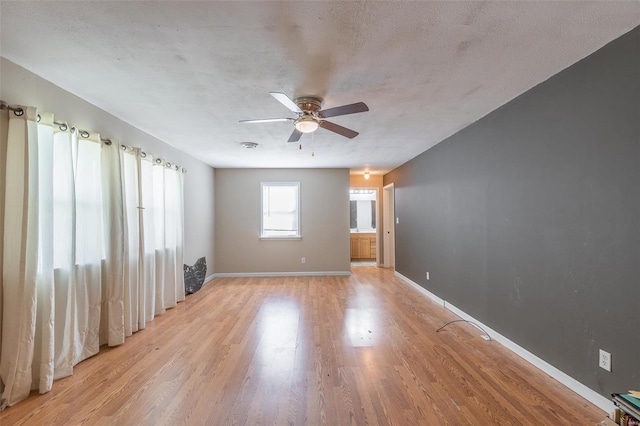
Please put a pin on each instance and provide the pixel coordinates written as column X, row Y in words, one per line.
column 584, row 391
column 280, row 274
column 209, row 278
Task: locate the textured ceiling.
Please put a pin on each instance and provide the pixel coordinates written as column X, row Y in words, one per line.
column 186, row 72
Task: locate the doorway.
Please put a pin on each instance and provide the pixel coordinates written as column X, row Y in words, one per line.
column 364, row 226
column 388, row 226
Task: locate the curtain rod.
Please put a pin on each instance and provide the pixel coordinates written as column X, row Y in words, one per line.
column 4, row 105
column 85, row 134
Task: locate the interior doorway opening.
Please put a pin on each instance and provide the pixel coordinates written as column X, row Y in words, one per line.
column 363, row 224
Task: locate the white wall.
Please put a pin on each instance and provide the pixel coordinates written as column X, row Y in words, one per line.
column 21, row 87
column 324, row 216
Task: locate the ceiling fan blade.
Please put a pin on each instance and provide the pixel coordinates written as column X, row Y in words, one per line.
column 295, row 136
column 344, row 110
column 266, row 120
column 286, row 101
column 348, row 133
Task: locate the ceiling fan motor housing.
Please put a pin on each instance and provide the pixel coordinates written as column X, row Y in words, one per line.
column 309, row 103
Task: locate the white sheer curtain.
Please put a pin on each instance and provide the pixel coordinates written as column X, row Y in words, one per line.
column 168, row 224
column 63, row 230
column 81, row 263
column 154, row 279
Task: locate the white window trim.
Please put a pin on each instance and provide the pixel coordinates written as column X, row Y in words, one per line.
column 287, row 237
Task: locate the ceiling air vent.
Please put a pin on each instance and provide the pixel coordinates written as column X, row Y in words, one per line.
column 248, row 145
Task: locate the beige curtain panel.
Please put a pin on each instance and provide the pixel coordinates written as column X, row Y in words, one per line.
column 92, row 247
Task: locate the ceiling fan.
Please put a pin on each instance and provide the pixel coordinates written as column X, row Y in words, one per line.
column 310, row 116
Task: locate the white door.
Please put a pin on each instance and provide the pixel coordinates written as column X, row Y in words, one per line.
column 388, row 226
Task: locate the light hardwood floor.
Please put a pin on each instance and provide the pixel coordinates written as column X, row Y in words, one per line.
column 306, row 350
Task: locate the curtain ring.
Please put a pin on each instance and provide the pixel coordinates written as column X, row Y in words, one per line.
column 158, row 160
column 84, row 134
column 39, row 118
column 123, row 147
column 168, row 165
column 143, row 154
column 18, row 112
column 107, row 142
column 63, row 127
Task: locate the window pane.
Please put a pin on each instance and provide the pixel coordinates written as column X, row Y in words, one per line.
column 62, row 201
column 280, row 210
column 88, row 187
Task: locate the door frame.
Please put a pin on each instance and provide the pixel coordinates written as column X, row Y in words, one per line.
column 389, row 229
column 378, row 232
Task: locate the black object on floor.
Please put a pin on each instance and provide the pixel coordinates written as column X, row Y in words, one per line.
column 194, row 275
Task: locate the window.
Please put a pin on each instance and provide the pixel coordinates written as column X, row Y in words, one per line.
column 280, row 210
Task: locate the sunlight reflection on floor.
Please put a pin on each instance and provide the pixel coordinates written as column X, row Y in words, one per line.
column 363, row 326
column 278, row 327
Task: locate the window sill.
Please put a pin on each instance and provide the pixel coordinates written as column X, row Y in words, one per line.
column 280, row 238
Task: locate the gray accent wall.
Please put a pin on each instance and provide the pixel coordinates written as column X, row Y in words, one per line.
column 529, row 219
column 324, row 223
column 19, row 86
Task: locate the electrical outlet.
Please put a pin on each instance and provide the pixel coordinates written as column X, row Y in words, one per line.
column 303, row 260
column 605, row 360
column 427, row 275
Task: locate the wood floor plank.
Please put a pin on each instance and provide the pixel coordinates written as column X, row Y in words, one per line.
column 306, row 350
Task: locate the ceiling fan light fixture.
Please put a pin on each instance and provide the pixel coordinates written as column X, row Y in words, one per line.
column 306, row 125
column 366, row 175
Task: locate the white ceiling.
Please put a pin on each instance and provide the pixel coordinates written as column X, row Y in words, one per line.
column 186, row 72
